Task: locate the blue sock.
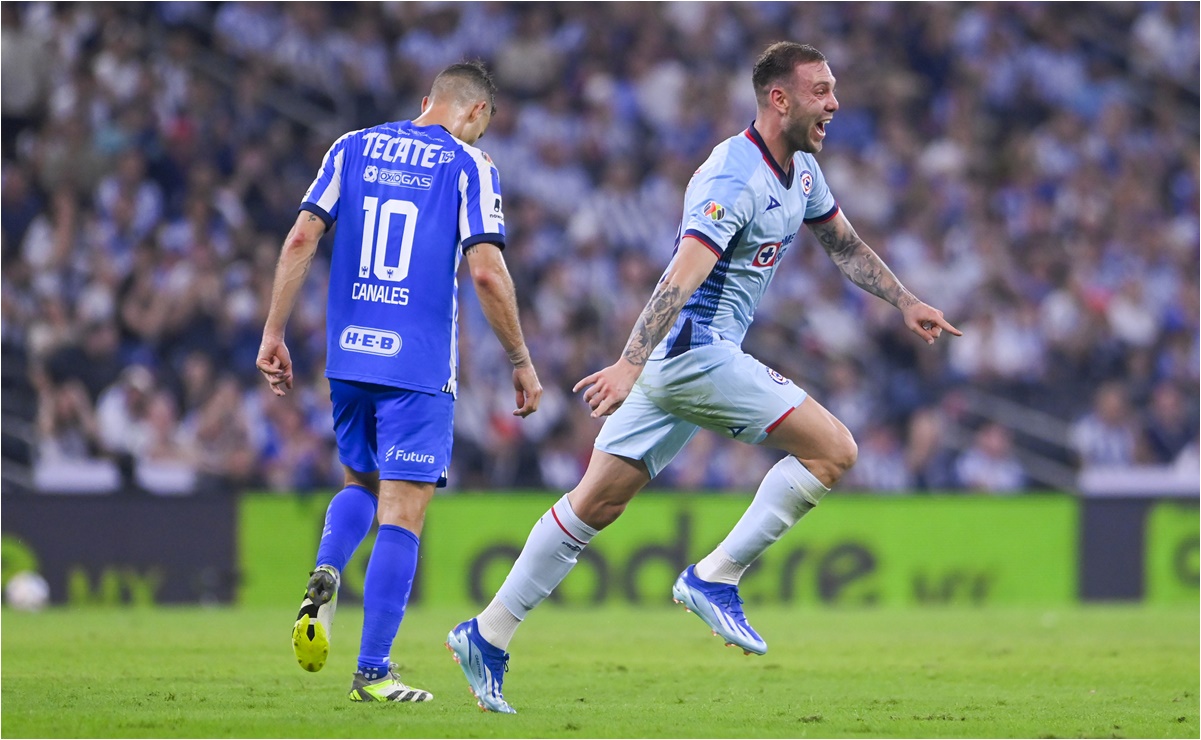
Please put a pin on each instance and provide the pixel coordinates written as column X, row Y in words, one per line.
column 347, row 521
column 386, row 594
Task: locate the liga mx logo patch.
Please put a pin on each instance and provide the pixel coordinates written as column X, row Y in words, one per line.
column 371, row 174
column 806, row 182
column 777, row 377
column 715, row 210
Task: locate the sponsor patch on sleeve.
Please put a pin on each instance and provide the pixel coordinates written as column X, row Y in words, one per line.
column 715, row 210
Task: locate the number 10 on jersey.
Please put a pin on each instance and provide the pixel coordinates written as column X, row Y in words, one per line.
column 375, row 238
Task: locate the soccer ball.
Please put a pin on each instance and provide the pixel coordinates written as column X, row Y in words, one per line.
column 27, row 591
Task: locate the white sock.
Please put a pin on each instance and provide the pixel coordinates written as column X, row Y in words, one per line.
column 787, row 493
column 719, row 567
column 497, row 624
column 548, row 556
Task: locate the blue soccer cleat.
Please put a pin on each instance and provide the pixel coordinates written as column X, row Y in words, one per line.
column 483, row 663
column 719, row 606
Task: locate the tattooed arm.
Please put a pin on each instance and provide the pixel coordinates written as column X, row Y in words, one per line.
column 274, row 360
column 865, row 268
column 609, row 387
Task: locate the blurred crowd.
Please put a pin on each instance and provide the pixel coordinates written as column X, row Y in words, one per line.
column 1031, row 169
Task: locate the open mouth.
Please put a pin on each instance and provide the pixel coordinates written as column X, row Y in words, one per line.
column 821, row 127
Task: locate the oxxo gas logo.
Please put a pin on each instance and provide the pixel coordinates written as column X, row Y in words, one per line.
column 405, row 179
column 370, row 341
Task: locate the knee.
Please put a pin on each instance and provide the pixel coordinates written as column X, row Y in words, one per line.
column 366, row 481
column 597, row 510
column 843, row 456
column 836, row 459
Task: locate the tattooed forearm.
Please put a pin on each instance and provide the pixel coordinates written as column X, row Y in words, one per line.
column 860, row 263
column 658, row 316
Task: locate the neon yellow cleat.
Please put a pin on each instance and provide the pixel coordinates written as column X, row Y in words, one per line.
column 311, row 633
column 388, row 688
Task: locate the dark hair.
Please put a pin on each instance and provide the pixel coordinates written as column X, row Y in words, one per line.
column 778, row 62
column 466, row 79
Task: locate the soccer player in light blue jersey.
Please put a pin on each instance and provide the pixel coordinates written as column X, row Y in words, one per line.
column 683, row 367
column 411, row 198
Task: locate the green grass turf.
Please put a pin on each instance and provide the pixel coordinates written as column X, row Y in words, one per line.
column 191, row 672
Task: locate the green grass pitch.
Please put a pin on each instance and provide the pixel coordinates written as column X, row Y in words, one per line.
column 617, row 672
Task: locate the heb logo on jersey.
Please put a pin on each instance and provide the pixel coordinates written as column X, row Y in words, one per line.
column 806, row 182
column 715, row 210
column 370, row 341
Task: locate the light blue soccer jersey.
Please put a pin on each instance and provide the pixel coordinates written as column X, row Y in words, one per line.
column 408, row 200
column 748, row 210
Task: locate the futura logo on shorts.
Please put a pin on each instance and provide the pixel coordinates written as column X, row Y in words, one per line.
column 403, row 456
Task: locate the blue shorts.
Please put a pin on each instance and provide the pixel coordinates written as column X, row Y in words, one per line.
column 404, row 434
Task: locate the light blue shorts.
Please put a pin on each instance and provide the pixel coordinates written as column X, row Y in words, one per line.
column 717, row 387
column 404, row 434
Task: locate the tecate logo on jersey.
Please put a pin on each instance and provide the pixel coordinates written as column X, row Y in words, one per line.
column 370, row 341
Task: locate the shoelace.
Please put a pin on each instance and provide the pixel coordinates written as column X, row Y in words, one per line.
column 503, row 661
column 730, row 600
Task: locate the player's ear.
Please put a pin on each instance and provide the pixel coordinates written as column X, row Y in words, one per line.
column 425, row 103
column 779, row 99
column 478, row 109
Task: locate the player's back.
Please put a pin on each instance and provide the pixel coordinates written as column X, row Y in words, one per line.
column 407, row 199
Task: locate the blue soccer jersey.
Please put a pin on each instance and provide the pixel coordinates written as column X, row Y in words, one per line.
column 748, row 210
column 415, row 198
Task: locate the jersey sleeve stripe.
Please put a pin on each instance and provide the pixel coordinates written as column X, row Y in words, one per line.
column 488, row 191
column 704, row 239
column 496, row 238
column 465, row 232
column 824, row 217
column 320, row 212
column 333, row 191
column 479, row 210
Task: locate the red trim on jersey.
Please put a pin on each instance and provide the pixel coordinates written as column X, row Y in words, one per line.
column 569, row 534
column 825, row 218
column 777, row 422
column 703, row 238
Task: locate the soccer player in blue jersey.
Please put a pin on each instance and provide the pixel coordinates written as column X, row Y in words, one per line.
column 411, row 198
column 683, row 368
